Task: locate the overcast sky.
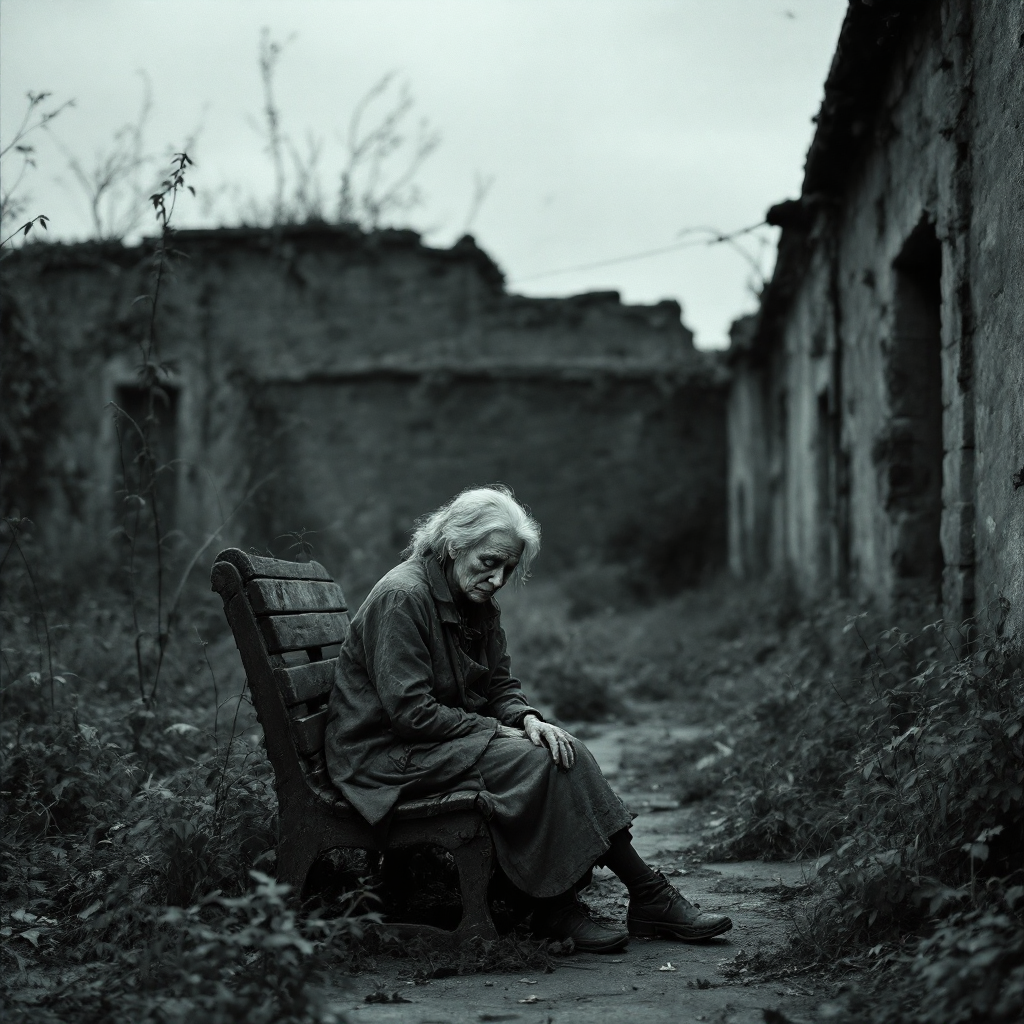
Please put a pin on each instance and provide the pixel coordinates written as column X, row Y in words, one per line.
column 607, row 126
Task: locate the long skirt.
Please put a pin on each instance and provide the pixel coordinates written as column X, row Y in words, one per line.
column 550, row 825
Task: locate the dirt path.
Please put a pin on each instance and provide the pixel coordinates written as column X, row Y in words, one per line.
column 652, row 981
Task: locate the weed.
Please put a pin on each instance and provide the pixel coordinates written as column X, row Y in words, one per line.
column 13, row 203
column 135, row 839
column 910, row 777
column 148, row 889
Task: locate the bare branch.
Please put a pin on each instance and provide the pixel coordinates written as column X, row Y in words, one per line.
column 270, row 54
column 13, row 204
column 119, row 182
column 26, row 127
column 370, row 191
column 482, row 185
column 308, row 203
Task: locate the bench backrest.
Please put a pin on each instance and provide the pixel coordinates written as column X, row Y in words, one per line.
column 283, row 614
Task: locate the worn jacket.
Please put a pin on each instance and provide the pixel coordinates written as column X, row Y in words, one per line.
column 419, row 691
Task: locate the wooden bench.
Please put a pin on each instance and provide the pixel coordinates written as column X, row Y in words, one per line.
column 283, row 614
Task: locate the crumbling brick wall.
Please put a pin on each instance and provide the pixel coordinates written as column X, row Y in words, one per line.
column 893, row 332
column 326, row 381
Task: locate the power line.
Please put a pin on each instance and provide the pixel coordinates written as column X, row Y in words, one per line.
column 717, row 237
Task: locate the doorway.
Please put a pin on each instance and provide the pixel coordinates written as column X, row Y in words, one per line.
column 914, row 470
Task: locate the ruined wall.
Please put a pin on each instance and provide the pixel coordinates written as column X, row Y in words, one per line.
column 342, row 384
column 754, row 471
column 997, row 273
column 615, row 470
column 895, row 338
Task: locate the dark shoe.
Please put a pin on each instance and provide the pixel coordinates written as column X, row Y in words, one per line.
column 572, row 920
column 659, row 912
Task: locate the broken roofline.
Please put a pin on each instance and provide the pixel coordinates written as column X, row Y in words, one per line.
column 320, row 234
column 312, row 234
column 873, row 32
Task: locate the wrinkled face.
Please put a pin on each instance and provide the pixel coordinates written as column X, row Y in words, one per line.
column 478, row 572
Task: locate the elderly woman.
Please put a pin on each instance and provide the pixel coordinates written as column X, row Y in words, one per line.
column 425, row 702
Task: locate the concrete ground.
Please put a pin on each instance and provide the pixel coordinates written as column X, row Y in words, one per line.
column 651, row 981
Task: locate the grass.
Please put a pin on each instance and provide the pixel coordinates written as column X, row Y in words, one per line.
column 705, row 647
column 900, row 761
column 139, row 837
column 138, row 844
column 895, row 757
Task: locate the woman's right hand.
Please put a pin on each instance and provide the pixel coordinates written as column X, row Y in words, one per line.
column 558, row 741
column 514, row 734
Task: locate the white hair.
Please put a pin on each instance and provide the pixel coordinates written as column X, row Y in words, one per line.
column 469, row 517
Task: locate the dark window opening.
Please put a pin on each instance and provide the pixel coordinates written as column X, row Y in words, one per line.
column 914, row 451
column 826, row 490
column 743, row 537
column 147, row 428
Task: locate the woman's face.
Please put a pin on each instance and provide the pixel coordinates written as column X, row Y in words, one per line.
column 480, row 571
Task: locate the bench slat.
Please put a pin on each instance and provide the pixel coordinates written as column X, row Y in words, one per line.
column 275, row 596
column 257, row 566
column 294, row 632
column 300, row 683
column 309, row 732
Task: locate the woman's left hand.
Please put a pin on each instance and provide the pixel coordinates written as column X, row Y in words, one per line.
column 558, row 741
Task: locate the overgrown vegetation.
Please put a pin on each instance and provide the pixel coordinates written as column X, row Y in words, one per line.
column 138, row 826
column 133, row 828
column 907, row 774
column 374, row 181
column 137, row 841
column 139, row 836
column 14, row 202
column 894, row 759
column 383, row 155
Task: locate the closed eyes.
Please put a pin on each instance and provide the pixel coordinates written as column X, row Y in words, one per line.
column 493, row 563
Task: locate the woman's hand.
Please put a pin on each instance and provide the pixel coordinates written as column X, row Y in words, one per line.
column 558, row 741
column 507, row 730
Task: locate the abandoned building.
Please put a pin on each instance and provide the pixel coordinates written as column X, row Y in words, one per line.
column 329, row 385
column 876, row 418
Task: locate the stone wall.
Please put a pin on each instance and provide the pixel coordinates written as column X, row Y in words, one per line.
column 892, row 335
column 326, row 381
column 997, row 277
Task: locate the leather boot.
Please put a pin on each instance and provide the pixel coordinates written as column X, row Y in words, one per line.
column 572, row 920
column 657, row 911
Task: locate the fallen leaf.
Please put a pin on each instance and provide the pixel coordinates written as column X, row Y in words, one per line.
column 90, row 910
column 22, row 962
column 383, row 997
column 527, row 981
column 181, row 728
column 530, row 999
column 26, row 918
column 667, row 967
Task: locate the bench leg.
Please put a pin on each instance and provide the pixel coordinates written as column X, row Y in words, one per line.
column 473, row 860
column 294, row 859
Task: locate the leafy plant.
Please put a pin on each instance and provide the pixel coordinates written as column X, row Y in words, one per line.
column 135, row 837
column 384, row 152
column 910, row 778
column 37, row 116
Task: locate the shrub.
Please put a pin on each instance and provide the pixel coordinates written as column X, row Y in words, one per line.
column 581, row 692
column 128, row 855
column 911, row 778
